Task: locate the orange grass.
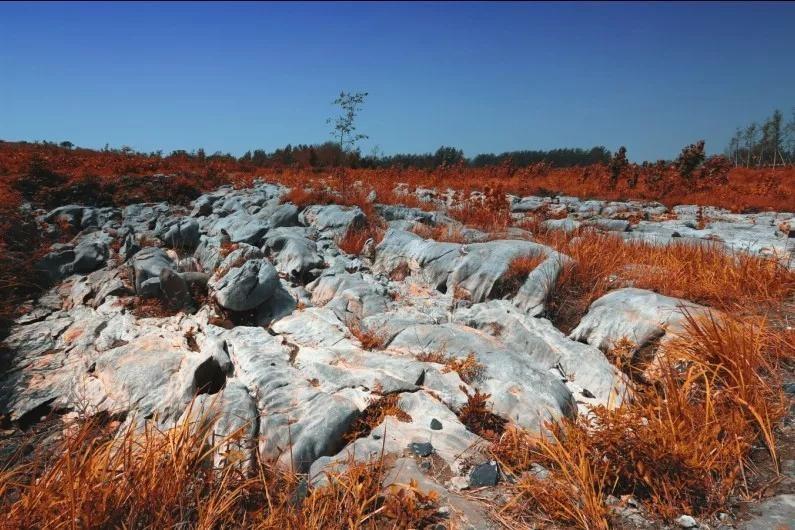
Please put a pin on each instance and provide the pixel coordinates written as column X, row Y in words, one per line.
column 165, row 479
column 703, row 273
column 680, row 445
column 516, row 274
column 355, row 238
column 441, row 233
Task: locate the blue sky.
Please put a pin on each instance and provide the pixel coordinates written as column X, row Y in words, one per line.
column 485, row 78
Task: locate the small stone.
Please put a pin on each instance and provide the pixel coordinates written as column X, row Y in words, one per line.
column 436, row 425
column 459, row 483
column 685, row 521
column 421, row 449
column 587, row 393
column 486, row 474
column 789, row 388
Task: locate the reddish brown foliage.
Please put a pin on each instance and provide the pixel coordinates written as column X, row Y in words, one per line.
column 478, row 418
column 515, row 276
column 375, row 413
column 354, row 239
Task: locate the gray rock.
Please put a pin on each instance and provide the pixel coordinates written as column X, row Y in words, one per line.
column 436, row 425
column 176, row 292
column 421, row 448
column 519, row 391
column 774, row 512
column 686, row 521
column 394, row 212
column 635, row 314
column 284, row 215
column 567, row 224
column 246, row 287
column 486, row 474
column 392, row 436
column 295, row 255
column 473, row 269
column 349, row 295
column 292, row 410
column 610, row 225
column 203, row 206
column 233, row 416
column 146, row 265
column 332, row 219
column 548, row 348
column 180, row 233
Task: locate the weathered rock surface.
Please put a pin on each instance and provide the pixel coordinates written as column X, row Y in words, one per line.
column 246, row 287
column 270, row 329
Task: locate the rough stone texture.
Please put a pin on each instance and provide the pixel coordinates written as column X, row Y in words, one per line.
column 295, row 254
column 519, row 391
column 304, row 337
column 246, row 287
column 180, row 233
column 548, row 348
column 472, row 270
column 776, row 512
column 638, row 315
column 147, row 264
column 332, row 219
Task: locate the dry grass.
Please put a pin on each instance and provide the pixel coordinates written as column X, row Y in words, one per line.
column 680, row 446
column 491, row 212
column 355, row 238
column 441, row 233
column 369, row 339
column 478, row 417
column 515, row 276
column 468, row 368
column 379, row 408
column 165, row 479
column 703, row 273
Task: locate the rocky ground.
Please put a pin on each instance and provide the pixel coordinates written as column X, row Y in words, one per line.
column 249, row 304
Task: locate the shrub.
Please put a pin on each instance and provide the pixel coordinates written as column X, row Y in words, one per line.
column 690, row 159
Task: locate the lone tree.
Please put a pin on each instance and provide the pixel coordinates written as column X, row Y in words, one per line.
column 344, row 126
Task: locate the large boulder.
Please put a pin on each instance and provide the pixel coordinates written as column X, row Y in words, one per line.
column 584, row 366
column 520, row 392
column 246, row 287
column 146, row 266
column 297, row 419
column 295, row 255
column 474, row 270
column 349, row 295
column 89, row 254
column 637, row 315
column 180, row 233
column 332, row 219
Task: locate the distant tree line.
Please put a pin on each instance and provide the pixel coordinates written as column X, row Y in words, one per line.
column 330, row 155
column 770, row 143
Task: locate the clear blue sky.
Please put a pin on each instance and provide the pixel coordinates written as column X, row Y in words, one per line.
column 485, row 78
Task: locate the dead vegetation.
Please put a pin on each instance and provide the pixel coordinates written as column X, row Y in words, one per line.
column 369, row 339
column 515, row 275
column 467, row 368
column 680, row 445
column 165, row 479
column 374, row 414
column 704, row 273
column 478, row 417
